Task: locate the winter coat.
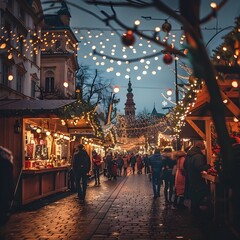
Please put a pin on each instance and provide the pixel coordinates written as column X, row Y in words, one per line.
column 156, row 162
column 6, row 184
column 168, row 164
column 81, row 162
column 195, row 163
column 97, row 161
column 180, row 177
column 139, row 163
column 132, row 160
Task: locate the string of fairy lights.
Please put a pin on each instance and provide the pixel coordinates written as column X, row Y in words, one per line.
column 34, row 42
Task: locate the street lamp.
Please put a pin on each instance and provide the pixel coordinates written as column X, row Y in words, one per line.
column 116, row 89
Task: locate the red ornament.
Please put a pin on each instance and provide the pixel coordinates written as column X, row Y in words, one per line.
column 166, row 27
column 128, row 38
column 167, row 58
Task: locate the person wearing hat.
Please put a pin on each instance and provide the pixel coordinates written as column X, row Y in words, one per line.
column 195, row 163
column 81, row 167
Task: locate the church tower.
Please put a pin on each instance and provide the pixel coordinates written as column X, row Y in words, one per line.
column 130, row 105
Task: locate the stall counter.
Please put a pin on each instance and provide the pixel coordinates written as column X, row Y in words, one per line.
column 37, row 184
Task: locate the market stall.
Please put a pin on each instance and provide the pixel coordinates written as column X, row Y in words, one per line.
column 199, row 119
column 37, row 132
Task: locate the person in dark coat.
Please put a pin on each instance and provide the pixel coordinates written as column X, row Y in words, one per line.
column 109, row 161
column 168, row 176
column 81, row 167
column 146, row 164
column 133, row 162
column 195, row 163
column 155, row 163
column 6, row 184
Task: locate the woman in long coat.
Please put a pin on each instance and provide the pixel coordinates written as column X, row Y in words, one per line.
column 179, row 180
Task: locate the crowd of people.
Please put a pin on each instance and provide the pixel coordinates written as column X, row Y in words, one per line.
column 179, row 173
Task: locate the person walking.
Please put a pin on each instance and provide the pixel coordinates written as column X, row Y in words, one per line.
column 168, row 176
column 97, row 162
column 155, row 163
column 195, row 163
column 81, row 167
column 139, row 164
column 125, row 165
column 109, row 161
column 133, row 162
column 146, row 164
column 119, row 164
column 6, row 186
column 178, row 202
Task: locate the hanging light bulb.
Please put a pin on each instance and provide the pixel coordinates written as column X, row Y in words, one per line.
column 235, row 84
column 10, row 56
column 10, row 77
column 3, row 45
column 65, row 84
column 169, row 92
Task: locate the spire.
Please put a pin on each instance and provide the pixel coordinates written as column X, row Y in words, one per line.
column 154, row 111
column 130, row 105
column 129, row 86
column 64, row 10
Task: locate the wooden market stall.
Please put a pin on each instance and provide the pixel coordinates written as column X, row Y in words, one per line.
column 199, row 119
column 39, row 138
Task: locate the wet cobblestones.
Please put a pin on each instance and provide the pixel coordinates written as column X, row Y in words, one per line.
column 121, row 209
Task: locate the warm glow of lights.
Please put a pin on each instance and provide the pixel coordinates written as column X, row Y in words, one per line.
column 235, row 84
column 235, row 119
column 10, row 77
column 10, row 56
column 169, row 92
column 38, row 130
column 3, row 45
column 137, row 22
column 116, row 89
column 213, row 5
column 48, row 133
column 65, row 84
column 157, row 29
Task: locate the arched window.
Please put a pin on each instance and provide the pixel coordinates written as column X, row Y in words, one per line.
column 49, row 82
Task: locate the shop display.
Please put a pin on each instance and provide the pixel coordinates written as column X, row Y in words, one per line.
column 44, row 148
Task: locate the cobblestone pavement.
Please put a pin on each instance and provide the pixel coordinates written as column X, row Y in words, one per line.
column 117, row 209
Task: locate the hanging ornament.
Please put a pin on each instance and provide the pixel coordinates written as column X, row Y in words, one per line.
column 166, row 27
column 128, row 38
column 167, row 59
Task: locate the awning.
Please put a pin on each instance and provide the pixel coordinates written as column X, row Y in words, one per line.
column 30, row 107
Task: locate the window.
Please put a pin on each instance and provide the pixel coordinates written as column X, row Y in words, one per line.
column 19, row 82
column 5, row 71
column 33, row 88
column 49, row 84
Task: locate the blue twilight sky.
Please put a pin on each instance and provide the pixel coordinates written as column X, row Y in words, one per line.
column 150, row 78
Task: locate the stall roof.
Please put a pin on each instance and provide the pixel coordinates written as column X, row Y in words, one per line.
column 29, row 106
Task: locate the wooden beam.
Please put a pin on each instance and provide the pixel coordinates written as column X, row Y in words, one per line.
column 231, row 105
column 208, row 141
column 198, row 118
column 197, row 129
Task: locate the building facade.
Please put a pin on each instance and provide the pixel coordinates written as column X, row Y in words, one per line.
column 20, row 47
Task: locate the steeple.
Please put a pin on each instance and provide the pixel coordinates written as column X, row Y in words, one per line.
column 64, row 14
column 130, row 105
column 154, row 111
